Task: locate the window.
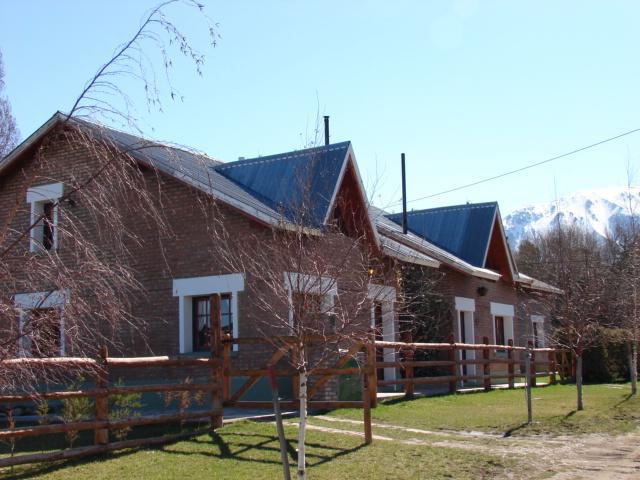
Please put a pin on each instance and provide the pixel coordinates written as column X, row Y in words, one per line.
column 189, row 291
column 383, row 323
column 44, row 216
column 311, row 293
column 42, row 323
column 465, row 308
column 202, row 320
column 537, row 329
column 502, row 323
column 307, row 306
column 45, row 332
column 499, row 329
column 378, row 330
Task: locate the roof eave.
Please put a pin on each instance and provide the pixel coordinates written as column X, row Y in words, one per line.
column 30, row 141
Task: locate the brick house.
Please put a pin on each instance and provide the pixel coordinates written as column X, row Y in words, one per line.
column 487, row 295
column 256, row 197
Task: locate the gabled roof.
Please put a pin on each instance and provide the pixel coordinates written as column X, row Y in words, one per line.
column 292, row 182
column 462, row 230
column 389, row 229
column 483, row 221
column 271, row 189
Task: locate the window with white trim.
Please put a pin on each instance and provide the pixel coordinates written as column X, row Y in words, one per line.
column 537, row 331
column 310, row 295
column 194, row 308
column 383, row 323
column 44, row 216
column 465, row 313
column 502, row 323
column 41, row 323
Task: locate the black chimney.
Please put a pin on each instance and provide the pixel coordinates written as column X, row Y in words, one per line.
column 404, row 196
column 326, row 129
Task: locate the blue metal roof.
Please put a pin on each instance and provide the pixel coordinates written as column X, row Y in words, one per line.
column 462, row 230
column 292, row 183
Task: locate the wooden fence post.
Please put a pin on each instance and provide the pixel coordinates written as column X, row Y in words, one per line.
column 226, row 367
column 510, row 378
column 552, row 367
column 533, row 364
column 216, row 372
column 372, row 371
column 453, row 369
column 101, row 435
column 486, row 364
column 563, row 366
column 409, row 389
column 366, row 404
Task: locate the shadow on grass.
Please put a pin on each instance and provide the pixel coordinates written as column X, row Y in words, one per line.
column 226, row 445
column 234, row 449
column 513, row 430
column 626, row 398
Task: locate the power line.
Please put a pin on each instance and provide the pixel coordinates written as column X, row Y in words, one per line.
column 521, row 169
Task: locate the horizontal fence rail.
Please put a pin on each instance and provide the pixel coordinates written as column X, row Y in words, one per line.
column 101, row 423
column 496, row 363
column 488, row 365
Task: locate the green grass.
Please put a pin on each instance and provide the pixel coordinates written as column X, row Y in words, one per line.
column 249, row 450
column 608, row 409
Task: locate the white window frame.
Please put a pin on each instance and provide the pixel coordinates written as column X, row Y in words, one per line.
column 508, row 313
column 466, row 306
column 187, row 288
column 24, row 302
column 539, row 320
column 385, row 295
column 325, row 287
column 37, row 197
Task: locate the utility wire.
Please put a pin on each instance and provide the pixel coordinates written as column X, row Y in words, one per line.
column 521, row 169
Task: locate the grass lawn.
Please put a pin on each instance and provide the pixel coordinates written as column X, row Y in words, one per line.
column 608, row 409
column 250, row 450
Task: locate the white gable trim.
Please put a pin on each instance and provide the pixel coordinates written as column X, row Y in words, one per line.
column 350, row 157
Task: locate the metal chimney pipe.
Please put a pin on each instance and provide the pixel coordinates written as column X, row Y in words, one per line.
column 404, row 196
column 326, row 129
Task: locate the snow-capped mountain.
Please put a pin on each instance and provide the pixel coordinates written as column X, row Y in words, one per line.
column 599, row 210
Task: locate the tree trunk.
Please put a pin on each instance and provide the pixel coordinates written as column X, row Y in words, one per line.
column 633, row 367
column 527, row 368
column 302, row 470
column 579, row 381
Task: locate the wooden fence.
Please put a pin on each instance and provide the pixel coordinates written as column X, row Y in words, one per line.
column 495, row 364
column 102, row 423
column 319, row 375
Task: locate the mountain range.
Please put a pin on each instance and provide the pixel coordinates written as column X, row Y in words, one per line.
column 599, row 211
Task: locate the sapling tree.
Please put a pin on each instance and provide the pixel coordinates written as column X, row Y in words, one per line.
column 310, row 288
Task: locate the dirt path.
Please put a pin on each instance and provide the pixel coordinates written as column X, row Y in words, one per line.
column 576, row 457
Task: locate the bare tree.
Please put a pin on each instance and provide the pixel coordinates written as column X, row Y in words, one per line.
column 572, row 260
column 624, row 284
column 9, row 134
column 76, row 249
column 311, row 287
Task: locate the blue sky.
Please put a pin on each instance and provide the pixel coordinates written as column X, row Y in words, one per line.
column 467, row 89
